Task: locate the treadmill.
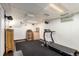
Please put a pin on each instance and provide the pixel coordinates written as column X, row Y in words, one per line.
column 65, row 51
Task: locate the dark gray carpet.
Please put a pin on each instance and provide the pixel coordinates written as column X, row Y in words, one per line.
column 34, row 48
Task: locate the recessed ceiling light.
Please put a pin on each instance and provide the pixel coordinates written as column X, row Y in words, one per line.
column 56, row 8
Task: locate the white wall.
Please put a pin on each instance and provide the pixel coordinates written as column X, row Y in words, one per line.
column 1, row 31
column 67, row 33
column 20, row 32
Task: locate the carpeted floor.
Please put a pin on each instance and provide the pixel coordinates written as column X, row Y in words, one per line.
column 34, row 48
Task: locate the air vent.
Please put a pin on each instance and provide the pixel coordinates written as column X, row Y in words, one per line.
column 65, row 14
column 66, row 19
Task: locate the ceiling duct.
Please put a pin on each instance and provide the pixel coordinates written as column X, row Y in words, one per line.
column 66, row 17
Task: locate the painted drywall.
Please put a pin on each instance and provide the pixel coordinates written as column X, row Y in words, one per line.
column 20, row 32
column 1, row 31
column 67, row 33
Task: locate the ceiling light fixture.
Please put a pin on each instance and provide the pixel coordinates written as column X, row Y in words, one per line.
column 31, row 15
column 56, row 8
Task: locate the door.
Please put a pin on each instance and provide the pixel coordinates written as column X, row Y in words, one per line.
column 9, row 40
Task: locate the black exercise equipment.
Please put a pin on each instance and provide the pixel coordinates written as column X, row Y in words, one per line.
column 48, row 31
column 66, row 51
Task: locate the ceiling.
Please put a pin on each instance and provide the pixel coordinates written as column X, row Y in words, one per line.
column 38, row 12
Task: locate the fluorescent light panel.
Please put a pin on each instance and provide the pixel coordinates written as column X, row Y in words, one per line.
column 56, row 8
